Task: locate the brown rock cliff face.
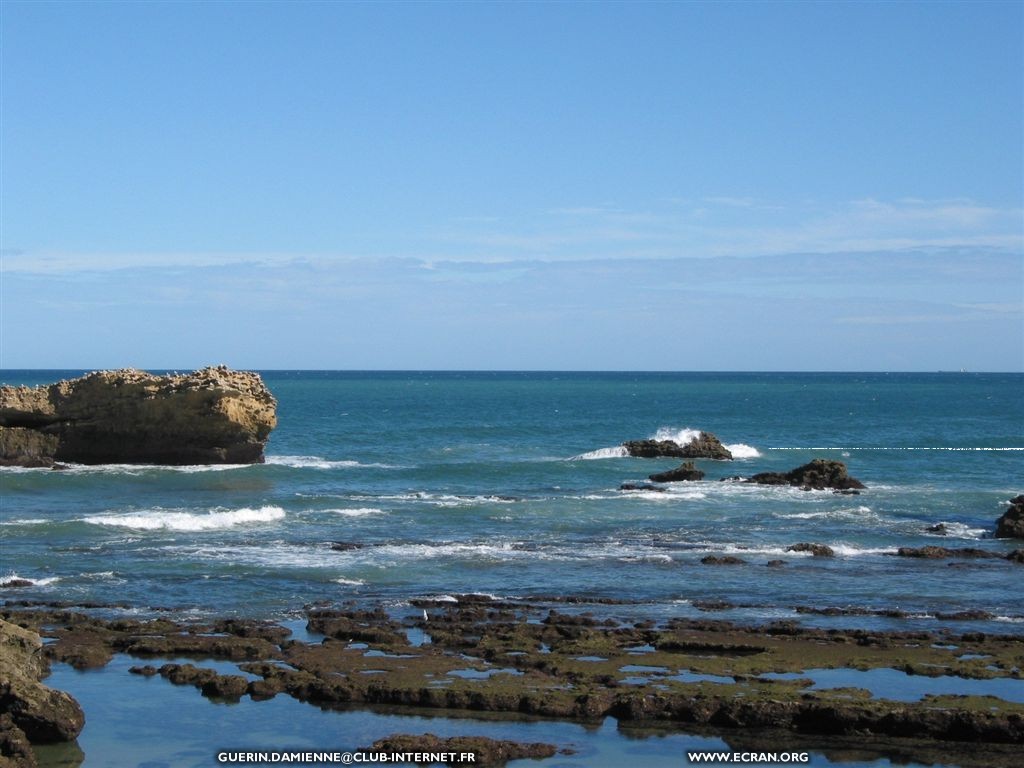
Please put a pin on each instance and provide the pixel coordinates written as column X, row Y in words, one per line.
column 212, row 416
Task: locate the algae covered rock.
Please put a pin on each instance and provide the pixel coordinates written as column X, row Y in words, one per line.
column 211, row 416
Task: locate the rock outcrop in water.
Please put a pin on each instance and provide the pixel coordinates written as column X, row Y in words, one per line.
column 31, row 712
column 212, row 416
column 818, row 475
column 685, row 471
column 704, row 446
column 1011, row 524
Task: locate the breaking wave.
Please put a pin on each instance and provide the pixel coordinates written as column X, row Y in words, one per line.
column 159, row 519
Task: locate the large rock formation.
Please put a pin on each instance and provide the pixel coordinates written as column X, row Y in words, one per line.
column 212, row 416
column 1011, row 524
column 818, row 474
column 31, row 712
column 704, row 446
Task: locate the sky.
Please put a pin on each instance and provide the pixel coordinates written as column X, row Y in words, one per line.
column 561, row 186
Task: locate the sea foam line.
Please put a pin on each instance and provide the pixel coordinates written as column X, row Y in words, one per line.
column 158, row 519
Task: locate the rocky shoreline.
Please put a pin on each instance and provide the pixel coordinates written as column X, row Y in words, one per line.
column 480, row 654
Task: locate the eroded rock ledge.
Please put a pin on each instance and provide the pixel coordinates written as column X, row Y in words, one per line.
column 212, row 416
column 484, row 654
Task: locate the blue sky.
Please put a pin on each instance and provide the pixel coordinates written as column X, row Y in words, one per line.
column 664, row 186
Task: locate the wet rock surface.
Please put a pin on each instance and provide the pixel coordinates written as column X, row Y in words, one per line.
column 211, row 416
column 818, row 474
column 560, row 659
column 685, row 471
column 1011, row 524
column 703, row 446
column 817, row 550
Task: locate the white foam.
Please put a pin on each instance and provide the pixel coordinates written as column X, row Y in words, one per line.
column 350, row 582
column 29, row 521
column 1010, row 619
column 855, row 513
column 743, row 451
column 677, row 436
column 615, row 452
column 686, row 435
column 962, row 531
column 13, row 577
column 359, row 512
column 159, row 519
column 847, row 550
column 310, row 462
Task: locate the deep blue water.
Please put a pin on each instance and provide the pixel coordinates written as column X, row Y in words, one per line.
column 508, row 484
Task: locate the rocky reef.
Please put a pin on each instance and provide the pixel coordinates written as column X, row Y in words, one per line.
column 703, row 446
column 212, row 416
column 817, row 475
column 1011, row 524
column 520, row 657
column 30, row 712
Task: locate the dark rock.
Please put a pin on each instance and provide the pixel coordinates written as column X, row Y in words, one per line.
column 653, row 449
column 938, row 553
column 685, row 471
column 1017, row 556
column 146, row 671
column 226, row 687
column 15, row 749
column 345, row 546
column 641, row 487
column 1011, row 524
column 818, row 550
column 212, row 416
column 939, row 528
column 775, row 563
column 722, row 560
column 817, row 475
column 41, row 713
column 704, row 446
column 17, row 583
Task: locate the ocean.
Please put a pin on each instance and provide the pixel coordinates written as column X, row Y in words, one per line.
column 380, row 487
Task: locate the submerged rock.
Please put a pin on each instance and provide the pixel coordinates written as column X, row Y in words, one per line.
column 722, row 560
column 212, row 416
column 704, row 446
column 41, row 714
column 937, row 553
column 1011, row 524
column 818, row 475
column 685, row 471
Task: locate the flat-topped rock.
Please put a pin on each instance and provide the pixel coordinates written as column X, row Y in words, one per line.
column 212, row 416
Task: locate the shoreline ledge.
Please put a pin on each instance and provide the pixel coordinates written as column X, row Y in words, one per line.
column 212, row 416
column 527, row 659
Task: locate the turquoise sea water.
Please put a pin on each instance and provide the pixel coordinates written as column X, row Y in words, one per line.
column 508, row 484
